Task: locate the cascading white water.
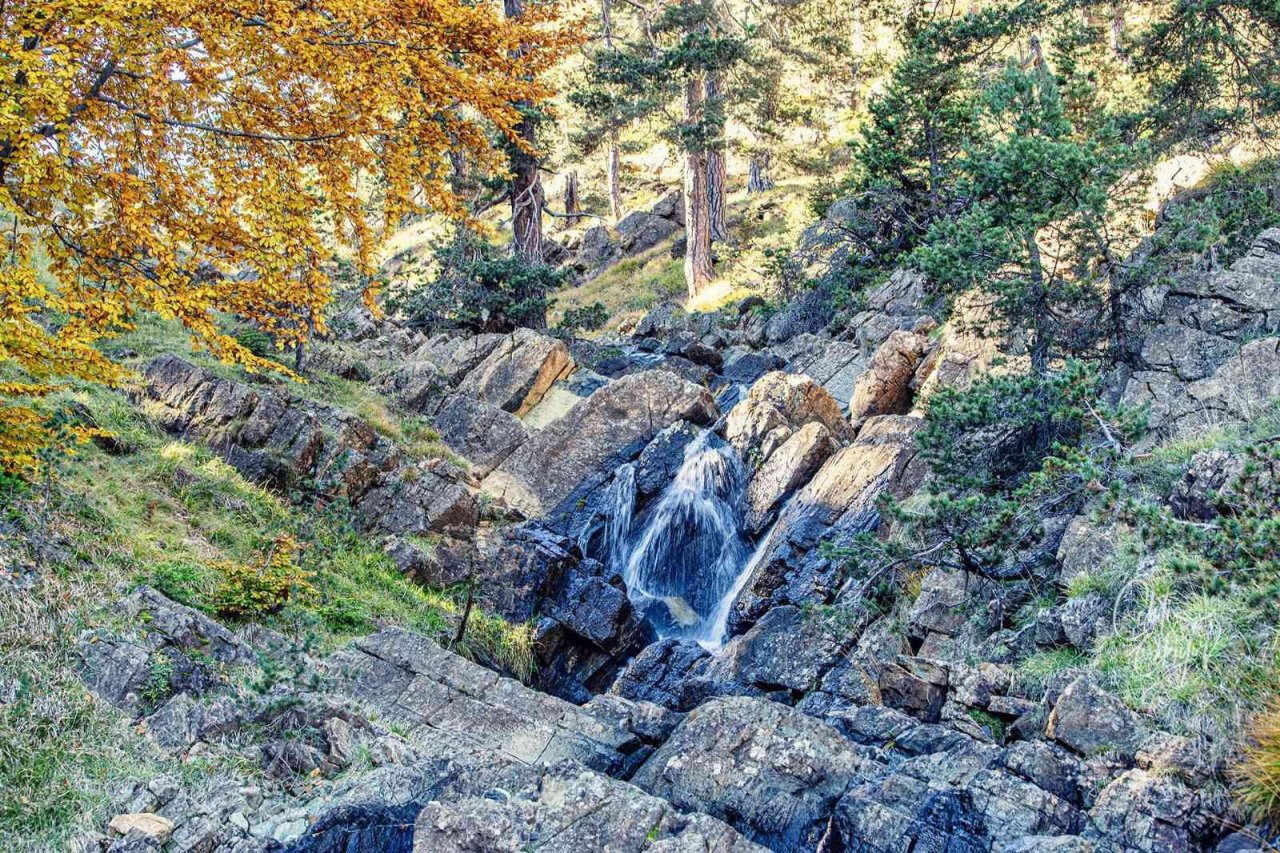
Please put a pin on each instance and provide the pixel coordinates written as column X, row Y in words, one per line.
column 688, row 551
column 714, row 627
column 622, row 507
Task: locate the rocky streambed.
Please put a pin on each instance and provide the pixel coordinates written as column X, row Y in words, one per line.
column 668, row 510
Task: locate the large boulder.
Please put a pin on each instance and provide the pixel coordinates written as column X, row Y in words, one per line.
column 838, row 503
column 966, row 349
column 609, row 427
column 787, row 468
column 482, row 433
column 809, row 312
column 1198, row 341
column 769, row 771
column 776, row 406
column 895, row 304
column 567, row 810
column 885, row 387
column 1244, row 385
column 672, row 673
column 596, row 250
column 639, row 231
column 434, row 696
column 518, row 371
column 1089, row 720
column 787, row 649
column 833, row 364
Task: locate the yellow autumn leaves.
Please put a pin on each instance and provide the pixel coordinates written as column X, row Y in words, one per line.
column 192, row 157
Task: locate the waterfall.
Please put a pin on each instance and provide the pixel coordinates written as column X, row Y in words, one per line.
column 712, row 636
column 688, row 550
column 622, row 507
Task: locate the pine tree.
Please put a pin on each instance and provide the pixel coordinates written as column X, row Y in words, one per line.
column 1040, row 194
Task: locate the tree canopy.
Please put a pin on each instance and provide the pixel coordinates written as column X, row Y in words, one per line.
column 191, row 157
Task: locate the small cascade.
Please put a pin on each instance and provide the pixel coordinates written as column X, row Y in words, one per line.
column 686, row 551
column 714, row 628
column 622, row 507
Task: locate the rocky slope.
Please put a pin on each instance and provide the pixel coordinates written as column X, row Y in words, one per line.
column 676, row 708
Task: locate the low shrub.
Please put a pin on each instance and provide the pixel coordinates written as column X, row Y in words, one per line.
column 254, row 590
column 1257, row 776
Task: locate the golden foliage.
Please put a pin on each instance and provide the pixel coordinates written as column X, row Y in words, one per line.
column 1257, row 775
column 191, row 157
column 248, row 591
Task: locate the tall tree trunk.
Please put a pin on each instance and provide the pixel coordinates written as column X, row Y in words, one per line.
column 1037, row 307
column 698, row 270
column 572, row 207
column 526, row 196
column 1117, row 29
column 717, row 176
column 615, row 176
column 614, row 166
column 758, row 179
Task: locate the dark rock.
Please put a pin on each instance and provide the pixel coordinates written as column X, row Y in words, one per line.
column 480, row 432
column 662, row 458
column 665, row 674
column 787, row 649
column 170, row 639
column 916, row 686
column 1089, row 720
column 745, row 366
column 810, row 312
column 570, row 809
column 638, row 231
column 589, row 632
column 798, row 768
column 663, row 321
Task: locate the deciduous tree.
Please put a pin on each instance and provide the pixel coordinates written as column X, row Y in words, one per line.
column 192, row 157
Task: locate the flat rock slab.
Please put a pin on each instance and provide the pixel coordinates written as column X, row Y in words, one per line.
column 571, row 809
column 770, row 771
column 434, row 696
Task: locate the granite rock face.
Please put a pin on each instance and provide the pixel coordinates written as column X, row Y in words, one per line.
column 570, row 809
column 769, row 771
column 610, row 426
column 1208, row 352
column 286, row 442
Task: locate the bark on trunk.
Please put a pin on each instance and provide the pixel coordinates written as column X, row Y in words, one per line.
column 526, row 196
column 758, row 178
column 572, row 207
column 716, row 171
column 698, row 271
column 614, row 167
column 615, row 176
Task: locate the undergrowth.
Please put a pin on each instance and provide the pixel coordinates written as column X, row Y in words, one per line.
column 174, row 516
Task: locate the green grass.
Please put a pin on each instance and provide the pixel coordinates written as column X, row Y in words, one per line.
column 1036, row 670
column 629, row 288
column 65, row 757
column 1197, row 662
column 165, row 513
